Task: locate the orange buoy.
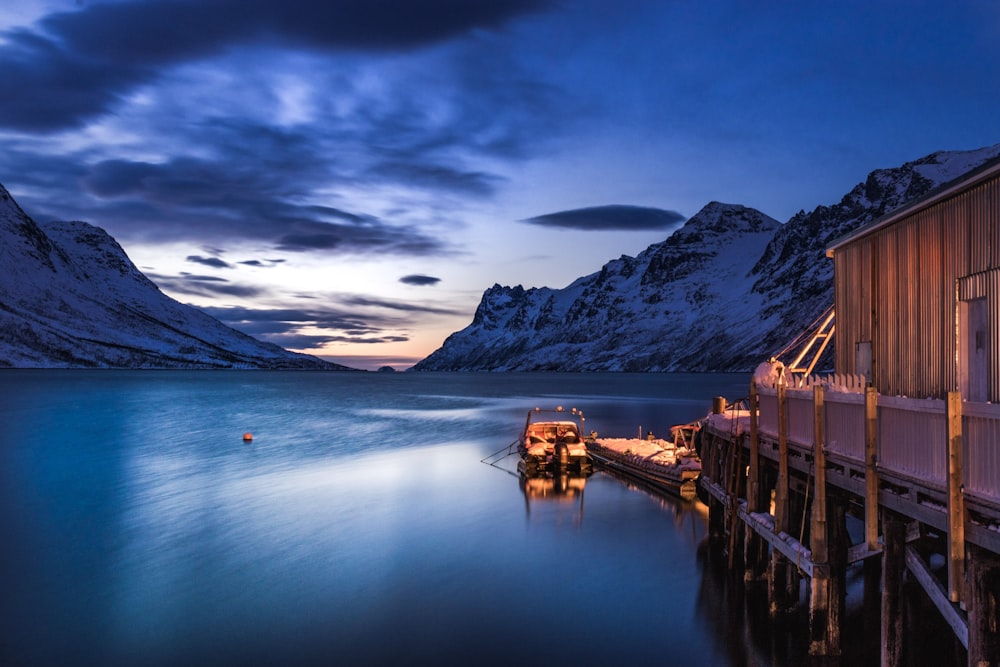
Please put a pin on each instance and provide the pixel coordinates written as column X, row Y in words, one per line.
column 247, row 437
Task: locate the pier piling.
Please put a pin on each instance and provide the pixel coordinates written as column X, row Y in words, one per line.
column 783, row 484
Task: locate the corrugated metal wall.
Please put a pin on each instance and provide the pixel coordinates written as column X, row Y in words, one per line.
column 896, row 287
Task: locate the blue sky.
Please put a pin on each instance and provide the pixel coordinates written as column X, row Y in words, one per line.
column 346, row 178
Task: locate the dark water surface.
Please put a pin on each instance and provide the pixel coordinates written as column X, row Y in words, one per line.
column 358, row 528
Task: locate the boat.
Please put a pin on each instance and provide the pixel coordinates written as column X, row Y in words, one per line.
column 671, row 465
column 552, row 440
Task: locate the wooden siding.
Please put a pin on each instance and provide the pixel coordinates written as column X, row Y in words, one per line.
column 897, row 286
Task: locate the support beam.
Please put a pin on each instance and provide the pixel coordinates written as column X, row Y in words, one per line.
column 763, row 525
column 893, row 565
column 921, row 572
column 825, row 589
column 984, row 608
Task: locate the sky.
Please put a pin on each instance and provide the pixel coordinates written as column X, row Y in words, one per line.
column 346, row 178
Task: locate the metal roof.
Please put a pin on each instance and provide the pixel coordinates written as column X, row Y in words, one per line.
column 966, row 181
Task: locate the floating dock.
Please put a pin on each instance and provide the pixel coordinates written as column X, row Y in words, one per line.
column 657, row 462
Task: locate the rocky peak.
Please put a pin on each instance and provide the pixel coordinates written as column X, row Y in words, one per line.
column 689, row 303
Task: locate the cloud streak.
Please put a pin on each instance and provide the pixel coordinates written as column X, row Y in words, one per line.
column 293, row 327
column 213, row 262
column 205, row 286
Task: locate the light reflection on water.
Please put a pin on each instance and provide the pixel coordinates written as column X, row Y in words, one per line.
column 358, row 527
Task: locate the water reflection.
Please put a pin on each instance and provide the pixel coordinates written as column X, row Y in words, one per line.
column 563, row 488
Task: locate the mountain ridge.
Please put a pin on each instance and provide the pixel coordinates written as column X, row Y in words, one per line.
column 71, row 298
column 710, row 297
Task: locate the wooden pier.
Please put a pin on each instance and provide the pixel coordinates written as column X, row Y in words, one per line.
column 783, row 472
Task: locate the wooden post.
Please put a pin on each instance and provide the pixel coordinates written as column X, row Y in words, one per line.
column 753, row 477
column 755, row 548
column 736, row 487
column 779, row 581
column 777, row 584
column 984, row 607
column 818, row 532
column 824, row 621
column 871, row 469
column 893, row 565
column 709, row 459
column 781, row 518
column 871, row 605
column 956, row 500
column 838, row 540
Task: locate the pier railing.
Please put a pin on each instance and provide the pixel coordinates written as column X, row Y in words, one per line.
column 981, row 449
column 912, row 435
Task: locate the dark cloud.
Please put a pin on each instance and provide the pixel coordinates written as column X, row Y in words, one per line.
column 232, row 197
column 296, row 341
column 55, row 88
column 204, row 279
column 610, row 218
column 295, row 318
column 264, row 263
column 195, row 285
column 81, row 62
column 214, row 262
column 283, row 326
column 419, row 280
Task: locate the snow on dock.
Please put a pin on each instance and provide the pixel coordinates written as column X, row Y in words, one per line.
column 655, row 452
column 657, row 461
column 734, row 421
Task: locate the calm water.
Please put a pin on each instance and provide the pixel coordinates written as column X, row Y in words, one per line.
column 358, row 528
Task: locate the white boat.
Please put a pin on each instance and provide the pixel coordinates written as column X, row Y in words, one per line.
column 553, row 440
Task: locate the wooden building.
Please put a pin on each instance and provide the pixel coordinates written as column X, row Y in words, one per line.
column 905, row 436
column 917, row 294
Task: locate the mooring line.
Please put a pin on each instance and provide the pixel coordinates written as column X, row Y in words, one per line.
column 509, row 449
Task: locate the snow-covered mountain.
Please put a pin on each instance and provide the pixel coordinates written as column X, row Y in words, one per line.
column 70, row 297
column 727, row 290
